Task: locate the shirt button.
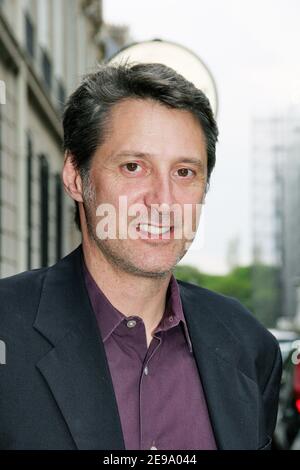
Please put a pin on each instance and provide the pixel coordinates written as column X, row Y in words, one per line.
column 146, row 370
column 171, row 318
column 131, row 323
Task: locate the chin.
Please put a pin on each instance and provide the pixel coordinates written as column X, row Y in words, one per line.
column 153, row 273
column 161, row 268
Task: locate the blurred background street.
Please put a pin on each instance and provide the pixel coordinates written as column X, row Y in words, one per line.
column 250, row 230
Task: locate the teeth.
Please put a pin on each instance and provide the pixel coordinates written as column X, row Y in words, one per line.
column 154, row 230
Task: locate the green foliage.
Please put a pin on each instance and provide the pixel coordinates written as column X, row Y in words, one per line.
column 253, row 286
column 267, row 294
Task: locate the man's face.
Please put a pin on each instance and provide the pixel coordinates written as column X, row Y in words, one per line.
column 155, row 157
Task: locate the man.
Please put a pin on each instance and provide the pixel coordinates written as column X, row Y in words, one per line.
column 105, row 349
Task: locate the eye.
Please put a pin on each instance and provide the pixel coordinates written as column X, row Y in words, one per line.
column 183, row 172
column 131, row 167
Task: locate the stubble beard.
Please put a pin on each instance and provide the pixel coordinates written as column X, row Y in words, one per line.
column 113, row 256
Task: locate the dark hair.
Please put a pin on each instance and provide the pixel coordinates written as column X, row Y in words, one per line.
column 86, row 114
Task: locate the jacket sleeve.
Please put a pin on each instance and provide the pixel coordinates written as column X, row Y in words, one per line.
column 271, row 393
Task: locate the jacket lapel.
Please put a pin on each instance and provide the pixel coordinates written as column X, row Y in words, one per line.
column 232, row 397
column 76, row 368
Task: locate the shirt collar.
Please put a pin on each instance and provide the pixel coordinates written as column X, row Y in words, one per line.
column 109, row 317
column 174, row 311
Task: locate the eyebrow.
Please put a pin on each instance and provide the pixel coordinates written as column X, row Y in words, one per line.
column 147, row 156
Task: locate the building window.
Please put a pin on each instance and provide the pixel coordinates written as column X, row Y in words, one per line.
column 44, row 210
column 46, row 69
column 29, row 31
column 29, row 202
column 61, row 92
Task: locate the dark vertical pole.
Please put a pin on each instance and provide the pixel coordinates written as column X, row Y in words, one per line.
column 29, row 202
column 58, row 201
column 1, row 147
column 44, row 208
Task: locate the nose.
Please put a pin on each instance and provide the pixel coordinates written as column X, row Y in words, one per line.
column 159, row 198
column 160, row 193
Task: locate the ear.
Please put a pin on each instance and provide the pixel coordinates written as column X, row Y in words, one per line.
column 71, row 179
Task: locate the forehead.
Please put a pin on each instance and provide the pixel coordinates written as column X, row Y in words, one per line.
column 151, row 127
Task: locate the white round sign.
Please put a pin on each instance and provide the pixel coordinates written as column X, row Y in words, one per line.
column 181, row 59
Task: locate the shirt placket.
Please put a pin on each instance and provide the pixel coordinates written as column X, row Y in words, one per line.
column 146, row 370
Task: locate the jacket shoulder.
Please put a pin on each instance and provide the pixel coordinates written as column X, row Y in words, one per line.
column 20, row 294
column 22, row 280
column 234, row 315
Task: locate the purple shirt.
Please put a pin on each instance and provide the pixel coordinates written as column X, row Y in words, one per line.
column 158, row 390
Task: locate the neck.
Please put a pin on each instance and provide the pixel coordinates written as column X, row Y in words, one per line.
column 130, row 294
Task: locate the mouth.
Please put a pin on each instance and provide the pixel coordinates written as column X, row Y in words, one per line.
column 155, row 231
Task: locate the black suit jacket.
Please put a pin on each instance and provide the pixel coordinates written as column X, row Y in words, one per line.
column 56, row 391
